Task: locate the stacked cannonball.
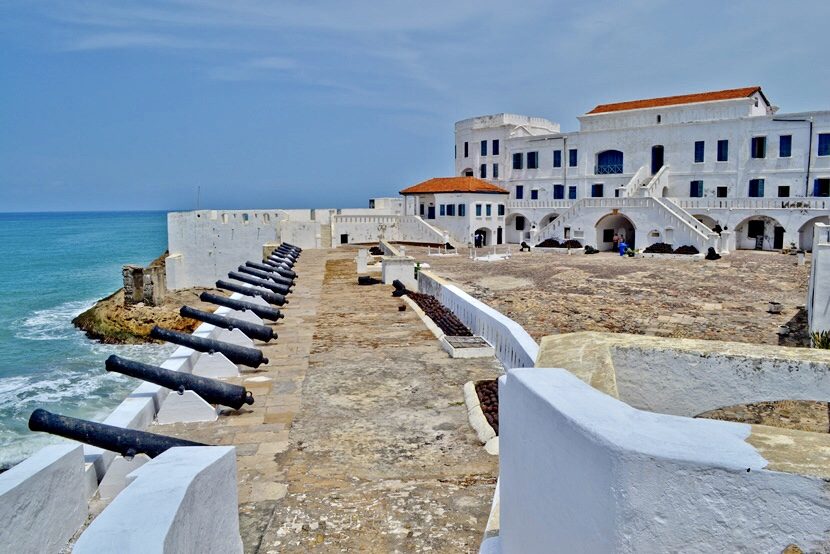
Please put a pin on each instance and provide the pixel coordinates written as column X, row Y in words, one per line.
column 488, row 397
column 444, row 318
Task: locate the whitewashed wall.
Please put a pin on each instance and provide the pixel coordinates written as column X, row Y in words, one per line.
column 514, row 346
column 818, row 292
column 574, row 477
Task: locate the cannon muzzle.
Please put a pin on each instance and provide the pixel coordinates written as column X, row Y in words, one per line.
column 282, row 269
column 280, row 260
column 257, row 282
column 211, row 390
column 289, row 245
column 251, row 330
column 262, row 274
column 271, row 297
column 243, row 355
column 127, row 442
column 265, row 312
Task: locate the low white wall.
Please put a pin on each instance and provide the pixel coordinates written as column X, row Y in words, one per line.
column 583, row 472
column 185, row 500
column 514, row 346
column 688, row 383
column 818, row 291
column 43, row 500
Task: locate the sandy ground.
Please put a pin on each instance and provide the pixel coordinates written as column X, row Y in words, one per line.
column 722, row 300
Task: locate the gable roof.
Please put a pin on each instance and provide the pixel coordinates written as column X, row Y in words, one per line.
column 729, row 94
column 454, row 184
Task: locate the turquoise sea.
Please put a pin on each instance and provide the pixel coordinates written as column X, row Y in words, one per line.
column 53, row 266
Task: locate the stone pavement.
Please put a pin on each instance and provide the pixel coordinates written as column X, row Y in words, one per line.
column 358, row 440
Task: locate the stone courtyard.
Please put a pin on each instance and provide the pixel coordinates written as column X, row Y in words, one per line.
column 726, row 299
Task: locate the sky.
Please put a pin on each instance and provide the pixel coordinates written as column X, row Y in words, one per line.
column 150, row 105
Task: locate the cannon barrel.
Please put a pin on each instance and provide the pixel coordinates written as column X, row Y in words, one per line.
column 398, row 285
column 127, row 442
column 257, row 282
column 281, row 257
column 285, row 253
column 265, row 312
column 270, row 297
column 289, row 245
column 276, row 277
column 285, row 262
column 275, row 267
column 286, row 248
column 212, row 391
column 251, row 330
column 250, row 357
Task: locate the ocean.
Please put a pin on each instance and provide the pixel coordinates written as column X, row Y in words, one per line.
column 53, row 266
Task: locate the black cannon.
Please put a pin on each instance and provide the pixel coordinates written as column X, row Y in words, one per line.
column 288, row 263
column 289, row 245
column 212, row 391
column 276, row 277
column 270, row 297
column 257, row 282
column 127, row 442
column 400, row 289
column 265, row 312
column 251, row 330
column 286, row 248
column 251, row 357
column 274, row 268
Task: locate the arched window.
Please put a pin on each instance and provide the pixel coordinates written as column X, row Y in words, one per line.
column 610, row 161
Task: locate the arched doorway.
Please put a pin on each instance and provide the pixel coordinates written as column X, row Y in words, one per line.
column 547, row 219
column 665, row 192
column 615, row 224
column 482, row 237
column 708, row 221
column 609, row 162
column 805, row 233
column 517, row 227
column 759, row 232
column 657, row 160
column 468, row 172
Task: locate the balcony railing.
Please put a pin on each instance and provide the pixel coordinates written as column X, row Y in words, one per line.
column 608, row 169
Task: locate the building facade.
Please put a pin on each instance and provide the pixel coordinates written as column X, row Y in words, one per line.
column 668, row 169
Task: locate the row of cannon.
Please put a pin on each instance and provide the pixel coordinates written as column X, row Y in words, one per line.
column 271, row 280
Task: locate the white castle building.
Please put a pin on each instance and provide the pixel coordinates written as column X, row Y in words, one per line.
column 674, row 170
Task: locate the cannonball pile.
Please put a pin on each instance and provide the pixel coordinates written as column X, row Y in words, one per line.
column 488, row 397
column 443, row 318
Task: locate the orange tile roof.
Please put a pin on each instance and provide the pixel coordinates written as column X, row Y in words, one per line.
column 675, row 100
column 454, row 184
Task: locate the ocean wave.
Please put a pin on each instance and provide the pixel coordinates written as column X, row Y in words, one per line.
column 52, row 323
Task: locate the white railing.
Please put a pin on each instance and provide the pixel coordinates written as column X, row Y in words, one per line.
column 656, row 184
column 411, row 224
column 548, row 230
column 513, row 345
column 639, row 179
column 387, row 219
column 541, row 204
column 752, row 203
column 687, row 218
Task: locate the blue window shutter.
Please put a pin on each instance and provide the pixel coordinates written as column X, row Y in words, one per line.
column 484, row 148
column 520, row 192
column 557, row 158
column 495, row 147
column 699, row 150
column 824, row 144
column 571, row 192
column 760, row 188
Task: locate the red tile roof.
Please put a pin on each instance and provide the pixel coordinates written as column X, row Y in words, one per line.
column 454, row 184
column 675, row 100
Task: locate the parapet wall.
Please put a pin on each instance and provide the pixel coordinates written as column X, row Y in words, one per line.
column 818, row 291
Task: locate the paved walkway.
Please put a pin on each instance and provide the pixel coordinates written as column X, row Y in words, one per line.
column 358, row 440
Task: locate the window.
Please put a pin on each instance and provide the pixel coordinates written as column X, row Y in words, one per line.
column 484, row 148
column 495, row 147
column 468, row 173
column 518, row 160
column 722, row 192
column 466, row 150
column 442, row 209
column 533, row 160
column 520, row 192
column 559, row 192
column 759, row 147
column 451, row 210
column 699, row 151
column 520, row 223
column 821, row 187
column 557, row 158
column 723, row 150
column 597, row 190
column 455, row 151
column 422, row 210
column 482, row 171
column 783, row 192
column 785, row 146
column 824, row 144
column 572, row 192
column 659, row 118
column 534, row 194
column 696, row 189
column 609, row 161
column 755, row 228
column 572, row 157
column 501, row 209
column 462, row 210
column 495, row 171
column 478, row 210
column 756, row 188
column 488, row 210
